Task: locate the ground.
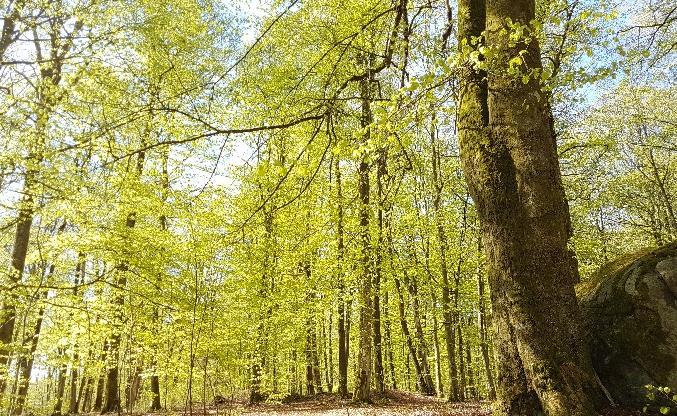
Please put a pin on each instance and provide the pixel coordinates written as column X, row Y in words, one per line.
column 390, row 404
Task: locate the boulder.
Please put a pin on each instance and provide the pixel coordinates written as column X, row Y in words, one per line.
column 630, row 316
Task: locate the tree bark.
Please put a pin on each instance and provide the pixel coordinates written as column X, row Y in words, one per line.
column 413, row 354
column 112, row 398
column 19, row 252
column 363, row 375
column 343, row 333
column 484, row 335
column 100, row 383
column 379, row 372
column 427, row 387
column 436, row 346
column 25, row 365
column 389, row 341
column 510, row 161
column 61, row 387
column 442, row 242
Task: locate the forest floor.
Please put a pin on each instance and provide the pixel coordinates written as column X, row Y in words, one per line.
column 391, row 403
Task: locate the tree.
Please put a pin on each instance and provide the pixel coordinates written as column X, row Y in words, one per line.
column 510, row 161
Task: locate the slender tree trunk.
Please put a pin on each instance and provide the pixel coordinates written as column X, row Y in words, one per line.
column 100, row 383
column 258, row 359
column 87, row 396
column 483, row 329
column 471, row 391
column 442, row 242
column 50, row 77
column 19, row 251
column 509, row 156
column 330, row 353
column 25, row 365
column 379, row 373
column 79, row 279
column 389, row 341
column 436, row 345
column 343, row 333
column 364, row 361
column 422, row 349
column 84, row 381
column 413, row 353
column 156, row 403
column 310, row 345
column 61, row 386
column 112, row 397
column 25, row 362
column 317, row 374
column 660, row 182
column 461, row 361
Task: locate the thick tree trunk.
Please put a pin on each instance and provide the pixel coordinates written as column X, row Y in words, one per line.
column 510, row 161
column 156, row 404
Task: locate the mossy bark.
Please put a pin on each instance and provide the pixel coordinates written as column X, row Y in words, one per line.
column 510, row 161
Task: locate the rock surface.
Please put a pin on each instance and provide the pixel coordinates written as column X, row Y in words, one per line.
column 630, row 312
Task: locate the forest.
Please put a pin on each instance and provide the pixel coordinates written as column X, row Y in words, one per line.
column 416, row 207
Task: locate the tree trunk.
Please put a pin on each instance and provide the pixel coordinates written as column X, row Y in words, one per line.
column 471, row 391
column 379, row 373
column 112, row 397
column 463, row 385
column 79, row 279
column 156, row 403
column 427, row 387
column 510, row 161
column 413, row 353
column 484, row 336
column 389, row 341
column 447, row 315
column 343, row 334
column 61, row 386
column 436, row 346
column 25, row 365
column 100, row 383
column 364, row 359
column 19, row 251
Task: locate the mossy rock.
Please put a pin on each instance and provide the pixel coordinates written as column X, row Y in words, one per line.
column 630, row 312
